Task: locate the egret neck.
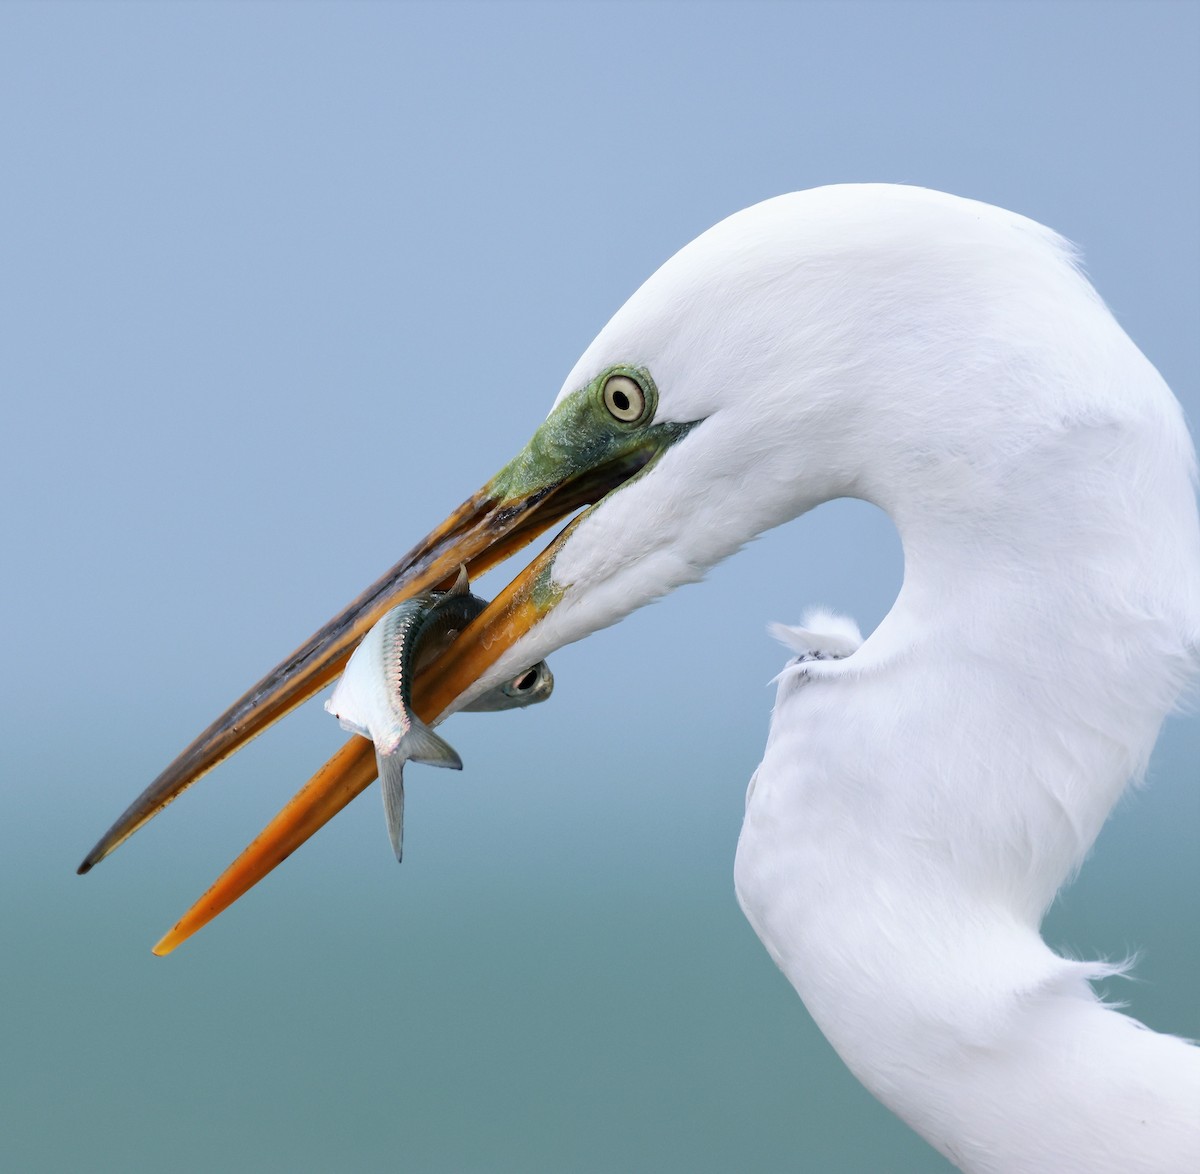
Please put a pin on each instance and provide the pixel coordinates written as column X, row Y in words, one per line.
column 921, row 801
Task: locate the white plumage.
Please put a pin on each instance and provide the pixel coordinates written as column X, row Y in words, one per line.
column 922, row 798
column 924, row 792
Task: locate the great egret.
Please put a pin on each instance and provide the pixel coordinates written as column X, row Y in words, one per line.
column 922, row 796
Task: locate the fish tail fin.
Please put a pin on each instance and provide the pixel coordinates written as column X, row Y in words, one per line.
column 391, row 779
column 421, row 744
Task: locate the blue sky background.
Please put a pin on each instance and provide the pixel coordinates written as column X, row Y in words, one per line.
column 279, row 286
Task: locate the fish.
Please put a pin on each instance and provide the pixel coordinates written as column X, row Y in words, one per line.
column 374, row 695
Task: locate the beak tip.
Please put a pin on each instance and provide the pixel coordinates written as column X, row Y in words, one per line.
column 101, row 850
column 90, row 861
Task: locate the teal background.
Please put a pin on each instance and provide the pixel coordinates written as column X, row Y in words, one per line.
column 282, row 284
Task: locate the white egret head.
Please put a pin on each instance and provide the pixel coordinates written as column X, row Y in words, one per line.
column 927, row 353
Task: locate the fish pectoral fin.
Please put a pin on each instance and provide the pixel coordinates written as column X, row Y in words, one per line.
column 391, row 780
column 421, row 744
column 462, row 583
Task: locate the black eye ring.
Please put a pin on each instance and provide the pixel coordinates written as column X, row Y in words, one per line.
column 624, row 398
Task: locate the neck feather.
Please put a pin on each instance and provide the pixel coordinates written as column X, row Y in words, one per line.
column 921, row 802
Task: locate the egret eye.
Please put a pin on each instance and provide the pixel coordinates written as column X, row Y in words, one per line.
column 624, row 398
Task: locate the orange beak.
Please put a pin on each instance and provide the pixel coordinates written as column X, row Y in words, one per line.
column 481, row 533
column 579, row 454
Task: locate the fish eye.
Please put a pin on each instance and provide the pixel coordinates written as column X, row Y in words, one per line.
column 526, row 681
column 624, row 398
